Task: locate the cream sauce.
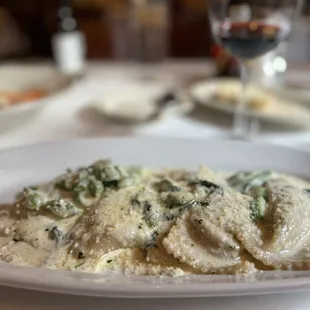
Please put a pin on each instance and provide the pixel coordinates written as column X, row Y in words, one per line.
column 170, row 223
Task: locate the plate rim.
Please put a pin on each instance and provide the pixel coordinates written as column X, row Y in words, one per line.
column 118, row 139
column 227, row 109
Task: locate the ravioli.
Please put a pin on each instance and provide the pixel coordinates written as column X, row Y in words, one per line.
column 173, row 222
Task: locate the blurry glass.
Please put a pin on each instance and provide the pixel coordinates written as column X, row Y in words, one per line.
column 149, row 26
column 140, row 31
column 120, row 33
column 248, row 30
column 269, row 70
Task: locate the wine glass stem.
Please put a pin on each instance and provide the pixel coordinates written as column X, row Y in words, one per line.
column 240, row 118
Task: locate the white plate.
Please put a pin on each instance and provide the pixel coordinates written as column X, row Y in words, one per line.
column 136, row 104
column 284, row 110
column 18, row 77
column 23, row 166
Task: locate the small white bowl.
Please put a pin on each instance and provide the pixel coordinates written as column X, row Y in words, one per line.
column 127, row 104
column 140, row 104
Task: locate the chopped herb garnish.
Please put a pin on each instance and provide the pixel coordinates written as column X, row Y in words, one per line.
column 148, row 212
column 186, row 207
column 153, row 240
column 203, row 203
column 81, row 255
column 259, row 191
column 207, row 184
column 66, row 183
column 81, row 185
column 79, row 265
column 95, row 188
column 192, row 244
column 167, row 186
column 111, row 184
column 200, row 221
column 89, row 183
column 46, row 229
column 61, row 208
column 257, row 208
column 211, row 187
column 169, row 217
column 109, row 261
column 111, row 173
column 33, row 199
column 179, row 199
column 148, row 206
column 245, row 181
column 135, row 202
column 56, row 234
column 88, row 190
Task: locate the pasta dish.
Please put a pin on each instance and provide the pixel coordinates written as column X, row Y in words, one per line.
column 172, row 222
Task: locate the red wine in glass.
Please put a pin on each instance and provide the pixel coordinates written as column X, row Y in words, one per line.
column 248, row 40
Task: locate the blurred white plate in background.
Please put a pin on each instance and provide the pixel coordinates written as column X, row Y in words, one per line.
column 223, row 95
column 137, row 104
column 23, row 78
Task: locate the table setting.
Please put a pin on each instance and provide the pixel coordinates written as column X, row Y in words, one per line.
column 77, row 113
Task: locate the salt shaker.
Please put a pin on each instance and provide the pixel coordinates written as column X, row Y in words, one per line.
column 69, row 43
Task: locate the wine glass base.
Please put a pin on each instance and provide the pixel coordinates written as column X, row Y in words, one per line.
column 240, row 136
column 246, row 130
column 234, row 137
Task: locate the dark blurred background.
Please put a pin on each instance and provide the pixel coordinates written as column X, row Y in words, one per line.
column 27, row 27
column 36, row 21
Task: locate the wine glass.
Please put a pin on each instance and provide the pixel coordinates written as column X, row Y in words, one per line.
column 149, row 24
column 248, row 30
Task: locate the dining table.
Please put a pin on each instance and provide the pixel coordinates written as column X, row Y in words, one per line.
column 69, row 115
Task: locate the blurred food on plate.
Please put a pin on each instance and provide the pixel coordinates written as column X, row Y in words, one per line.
column 224, row 94
column 8, row 98
column 26, row 89
column 230, row 92
column 25, row 83
column 227, row 92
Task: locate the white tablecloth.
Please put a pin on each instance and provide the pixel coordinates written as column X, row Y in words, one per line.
column 68, row 116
